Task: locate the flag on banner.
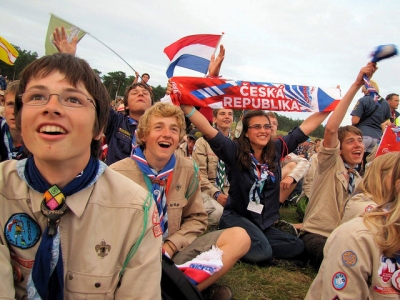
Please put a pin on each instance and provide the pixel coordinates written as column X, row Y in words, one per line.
column 390, row 141
column 8, row 53
column 239, row 95
column 70, row 30
column 192, row 52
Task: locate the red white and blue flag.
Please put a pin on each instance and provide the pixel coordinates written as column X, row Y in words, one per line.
column 192, row 52
column 237, row 94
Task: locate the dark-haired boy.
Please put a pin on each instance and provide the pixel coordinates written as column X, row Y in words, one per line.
column 68, row 221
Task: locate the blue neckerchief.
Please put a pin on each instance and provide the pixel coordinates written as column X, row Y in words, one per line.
column 133, row 122
column 47, row 276
column 159, row 184
column 259, row 180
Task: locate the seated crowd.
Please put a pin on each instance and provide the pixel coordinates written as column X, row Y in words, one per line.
column 76, row 226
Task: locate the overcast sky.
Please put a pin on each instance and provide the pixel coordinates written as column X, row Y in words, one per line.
column 319, row 43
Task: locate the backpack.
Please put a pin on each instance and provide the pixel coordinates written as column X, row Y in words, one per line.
column 175, row 285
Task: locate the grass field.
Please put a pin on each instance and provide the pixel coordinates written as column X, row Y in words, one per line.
column 275, row 282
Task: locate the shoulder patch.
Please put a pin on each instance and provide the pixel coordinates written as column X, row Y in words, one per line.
column 22, row 231
column 339, row 281
column 349, row 258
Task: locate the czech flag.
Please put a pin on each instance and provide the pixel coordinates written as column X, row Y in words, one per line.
column 192, row 52
column 8, row 53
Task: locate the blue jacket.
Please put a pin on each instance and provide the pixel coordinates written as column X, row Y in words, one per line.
column 119, row 133
column 241, row 181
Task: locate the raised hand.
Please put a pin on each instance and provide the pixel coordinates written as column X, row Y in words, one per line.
column 215, row 63
column 62, row 44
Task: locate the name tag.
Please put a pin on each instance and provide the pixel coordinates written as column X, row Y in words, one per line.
column 254, row 207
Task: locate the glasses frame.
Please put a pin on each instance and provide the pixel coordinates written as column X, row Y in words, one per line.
column 48, row 99
column 265, row 126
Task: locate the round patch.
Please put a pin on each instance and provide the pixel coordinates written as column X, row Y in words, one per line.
column 396, row 280
column 349, row 258
column 339, row 281
column 22, row 231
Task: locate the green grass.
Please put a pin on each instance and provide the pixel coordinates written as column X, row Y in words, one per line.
column 278, row 282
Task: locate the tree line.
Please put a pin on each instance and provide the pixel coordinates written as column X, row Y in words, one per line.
column 117, row 82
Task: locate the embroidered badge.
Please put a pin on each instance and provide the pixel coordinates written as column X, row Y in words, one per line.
column 369, row 208
column 178, row 187
column 386, row 269
column 102, row 249
column 23, row 262
column 396, row 280
column 155, row 219
column 336, row 298
column 22, row 231
column 385, row 290
column 339, row 281
column 125, row 132
column 349, row 258
column 157, row 230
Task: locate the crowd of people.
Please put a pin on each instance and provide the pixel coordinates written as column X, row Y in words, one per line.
column 79, row 221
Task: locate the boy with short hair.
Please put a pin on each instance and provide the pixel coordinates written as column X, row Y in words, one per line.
column 69, row 221
column 341, row 151
column 10, row 136
column 174, row 183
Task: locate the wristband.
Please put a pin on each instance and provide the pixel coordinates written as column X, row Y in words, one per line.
column 191, row 113
column 216, row 195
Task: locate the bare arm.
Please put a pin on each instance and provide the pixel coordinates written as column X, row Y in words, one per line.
column 332, row 126
column 313, row 121
column 200, row 122
column 355, row 120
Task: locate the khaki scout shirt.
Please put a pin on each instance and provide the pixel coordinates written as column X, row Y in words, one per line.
column 208, row 164
column 187, row 218
column 356, row 206
column 353, row 267
column 103, row 222
column 329, row 193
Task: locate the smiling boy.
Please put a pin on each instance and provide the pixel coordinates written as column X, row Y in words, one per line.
column 61, row 207
column 174, row 183
column 335, row 178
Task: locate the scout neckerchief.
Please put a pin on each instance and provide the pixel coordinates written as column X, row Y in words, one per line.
column 134, row 124
column 351, row 173
column 261, row 173
column 220, row 175
column 47, row 277
column 159, row 182
column 8, row 142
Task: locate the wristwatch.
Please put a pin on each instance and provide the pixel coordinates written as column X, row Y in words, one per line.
column 216, row 194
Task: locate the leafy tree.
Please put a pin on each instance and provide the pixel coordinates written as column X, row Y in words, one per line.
column 115, row 82
column 25, row 58
column 158, row 92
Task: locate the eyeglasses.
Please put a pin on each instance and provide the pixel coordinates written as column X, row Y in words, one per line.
column 69, row 99
column 258, row 126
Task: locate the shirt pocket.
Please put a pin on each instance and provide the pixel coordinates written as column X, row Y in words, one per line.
column 90, row 286
column 175, row 210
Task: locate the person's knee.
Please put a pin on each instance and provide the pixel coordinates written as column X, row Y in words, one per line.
column 237, row 237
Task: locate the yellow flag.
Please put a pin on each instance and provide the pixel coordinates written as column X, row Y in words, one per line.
column 8, row 54
column 70, row 30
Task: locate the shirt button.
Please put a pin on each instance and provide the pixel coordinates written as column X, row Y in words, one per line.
column 97, row 284
column 70, row 276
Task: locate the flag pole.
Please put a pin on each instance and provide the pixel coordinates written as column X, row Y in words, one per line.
column 215, row 50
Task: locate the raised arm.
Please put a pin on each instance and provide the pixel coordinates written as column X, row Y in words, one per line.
column 199, row 121
column 313, row 121
column 61, row 42
column 332, row 126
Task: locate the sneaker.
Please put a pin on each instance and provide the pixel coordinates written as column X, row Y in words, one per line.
column 217, row 292
column 287, row 227
column 292, row 200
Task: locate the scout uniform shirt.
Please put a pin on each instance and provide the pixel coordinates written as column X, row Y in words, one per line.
column 103, row 222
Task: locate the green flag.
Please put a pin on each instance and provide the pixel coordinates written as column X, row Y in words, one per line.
column 71, row 31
